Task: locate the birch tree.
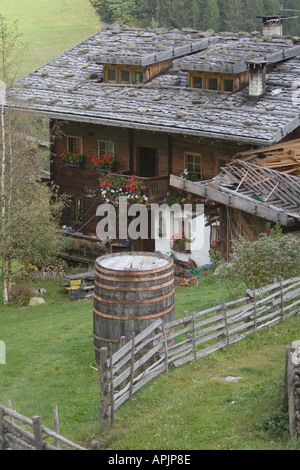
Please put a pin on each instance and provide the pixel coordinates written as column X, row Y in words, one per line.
column 29, row 214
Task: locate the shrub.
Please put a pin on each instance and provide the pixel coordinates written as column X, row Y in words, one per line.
column 269, row 258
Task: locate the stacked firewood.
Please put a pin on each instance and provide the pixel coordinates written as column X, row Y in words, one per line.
column 185, row 272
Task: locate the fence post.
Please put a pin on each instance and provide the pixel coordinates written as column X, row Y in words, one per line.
column 37, row 431
column 2, row 431
column 255, row 311
column 56, row 424
column 281, row 301
column 221, row 337
column 194, row 338
column 112, row 389
column 103, row 387
column 132, row 366
column 185, row 315
column 165, row 345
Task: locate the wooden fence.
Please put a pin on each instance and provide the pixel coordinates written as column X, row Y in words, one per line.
column 160, row 346
column 18, row 432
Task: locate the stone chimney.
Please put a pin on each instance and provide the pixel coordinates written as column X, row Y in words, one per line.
column 257, row 78
column 272, row 25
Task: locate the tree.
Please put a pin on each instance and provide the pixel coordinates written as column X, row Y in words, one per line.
column 29, row 221
column 211, row 15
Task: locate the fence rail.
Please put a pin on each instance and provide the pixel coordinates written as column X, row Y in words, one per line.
column 161, row 345
column 17, row 432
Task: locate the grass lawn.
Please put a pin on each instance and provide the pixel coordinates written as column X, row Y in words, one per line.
column 50, row 28
column 50, row 359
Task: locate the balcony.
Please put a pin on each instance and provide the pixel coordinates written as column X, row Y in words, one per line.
column 156, row 187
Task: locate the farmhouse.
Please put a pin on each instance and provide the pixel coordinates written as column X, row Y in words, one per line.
column 157, row 102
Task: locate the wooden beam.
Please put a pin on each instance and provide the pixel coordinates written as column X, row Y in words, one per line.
column 231, row 199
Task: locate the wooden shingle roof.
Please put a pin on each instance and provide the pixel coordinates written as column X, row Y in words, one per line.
column 71, row 87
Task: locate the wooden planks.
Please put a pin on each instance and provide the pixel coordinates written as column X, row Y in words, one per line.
column 284, row 157
column 190, row 338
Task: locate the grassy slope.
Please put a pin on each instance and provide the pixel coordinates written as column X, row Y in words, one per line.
column 50, row 28
column 50, row 348
column 50, row 359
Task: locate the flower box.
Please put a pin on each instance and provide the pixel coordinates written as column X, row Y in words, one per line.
column 71, row 159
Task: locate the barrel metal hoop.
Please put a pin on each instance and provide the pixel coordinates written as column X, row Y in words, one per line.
column 134, row 302
column 134, row 289
column 140, row 317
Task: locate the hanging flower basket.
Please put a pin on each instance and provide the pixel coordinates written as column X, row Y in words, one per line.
column 72, row 159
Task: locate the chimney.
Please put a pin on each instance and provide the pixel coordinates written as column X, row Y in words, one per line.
column 257, row 78
column 272, row 25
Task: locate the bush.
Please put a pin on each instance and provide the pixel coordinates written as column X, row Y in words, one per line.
column 276, row 423
column 267, row 259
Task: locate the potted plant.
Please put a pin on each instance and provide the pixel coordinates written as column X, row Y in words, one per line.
column 181, row 244
column 71, row 158
column 103, row 163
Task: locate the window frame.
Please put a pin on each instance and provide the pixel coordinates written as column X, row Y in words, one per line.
column 212, row 77
column 227, row 79
column 227, row 160
column 111, row 69
column 194, row 155
column 76, row 213
column 129, row 76
column 134, row 73
column 106, row 144
column 72, row 149
column 202, row 81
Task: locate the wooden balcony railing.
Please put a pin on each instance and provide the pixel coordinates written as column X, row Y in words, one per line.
column 156, row 187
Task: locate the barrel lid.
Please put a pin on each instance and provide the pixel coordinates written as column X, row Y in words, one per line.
column 134, row 262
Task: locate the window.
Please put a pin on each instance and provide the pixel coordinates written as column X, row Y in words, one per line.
column 111, row 75
column 76, row 209
column 222, row 162
column 75, row 144
column 228, row 84
column 106, row 147
column 193, row 163
column 212, row 83
column 125, row 76
column 138, row 77
column 198, row 82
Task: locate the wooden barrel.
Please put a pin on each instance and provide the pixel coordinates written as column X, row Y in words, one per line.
column 132, row 290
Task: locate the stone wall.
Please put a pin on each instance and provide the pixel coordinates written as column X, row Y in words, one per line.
column 292, row 388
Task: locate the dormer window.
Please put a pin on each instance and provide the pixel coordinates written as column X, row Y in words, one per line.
column 228, row 85
column 138, row 77
column 197, row 82
column 212, row 83
column 125, row 76
column 112, row 75
column 218, row 82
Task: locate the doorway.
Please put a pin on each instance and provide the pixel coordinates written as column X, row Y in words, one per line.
column 147, row 162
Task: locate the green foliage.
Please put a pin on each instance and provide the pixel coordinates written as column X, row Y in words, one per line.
column 275, row 423
column 270, row 257
column 220, row 15
column 50, row 359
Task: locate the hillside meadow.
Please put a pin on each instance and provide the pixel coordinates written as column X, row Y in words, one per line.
column 49, row 28
column 50, row 359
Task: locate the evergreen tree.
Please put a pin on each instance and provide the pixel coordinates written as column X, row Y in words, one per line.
column 211, row 15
